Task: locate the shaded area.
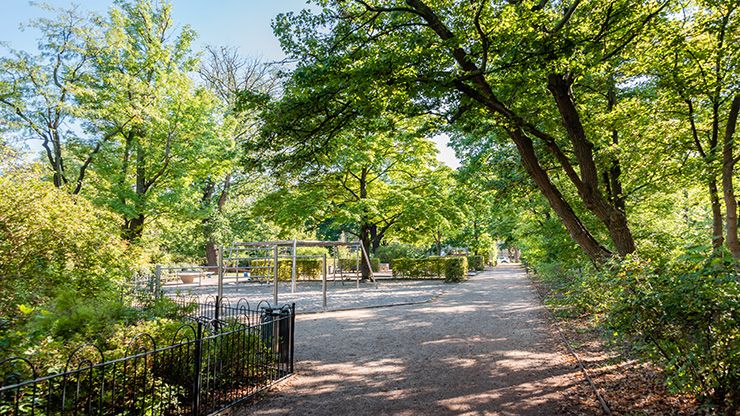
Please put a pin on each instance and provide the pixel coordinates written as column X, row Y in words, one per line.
column 482, row 348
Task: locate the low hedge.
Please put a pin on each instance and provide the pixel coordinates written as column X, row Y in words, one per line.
column 305, row 268
column 476, row 263
column 456, row 269
column 309, row 269
column 452, row 268
column 351, row 264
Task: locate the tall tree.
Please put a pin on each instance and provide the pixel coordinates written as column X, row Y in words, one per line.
column 697, row 72
column 165, row 130
column 518, row 65
column 241, row 85
column 38, row 95
column 367, row 180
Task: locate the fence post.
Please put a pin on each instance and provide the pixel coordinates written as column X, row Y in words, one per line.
column 218, row 308
column 275, row 282
column 220, row 255
column 292, row 329
column 293, row 267
column 158, row 281
column 197, row 368
column 323, row 282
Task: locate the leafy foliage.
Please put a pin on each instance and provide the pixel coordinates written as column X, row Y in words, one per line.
column 51, row 241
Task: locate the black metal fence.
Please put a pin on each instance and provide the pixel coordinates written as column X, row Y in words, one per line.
column 211, row 364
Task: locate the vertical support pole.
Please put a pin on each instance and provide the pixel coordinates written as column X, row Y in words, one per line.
column 220, row 258
column 158, row 282
column 217, row 308
column 293, row 268
column 275, row 279
column 197, row 369
column 323, row 282
column 292, row 333
column 358, row 270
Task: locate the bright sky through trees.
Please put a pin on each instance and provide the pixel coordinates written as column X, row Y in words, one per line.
column 238, row 23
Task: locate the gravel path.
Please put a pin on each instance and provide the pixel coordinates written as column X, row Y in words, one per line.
column 309, row 298
column 482, row 348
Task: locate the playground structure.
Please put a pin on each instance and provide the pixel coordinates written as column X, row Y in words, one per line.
column 260, row 262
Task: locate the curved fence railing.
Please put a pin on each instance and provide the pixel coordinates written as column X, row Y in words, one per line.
column 211, row 364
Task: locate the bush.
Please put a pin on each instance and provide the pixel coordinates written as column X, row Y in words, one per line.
column 685, row 316
column 51, row 241
column 351, row 264
column 456, row 269
column 425, row 267
column 310, row 269
column 451, row 267
column 476, row 263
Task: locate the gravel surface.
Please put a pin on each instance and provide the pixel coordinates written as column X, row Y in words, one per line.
column 308, row 296
column 482, row 348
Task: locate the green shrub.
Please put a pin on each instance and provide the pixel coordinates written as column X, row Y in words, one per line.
column 452, row 268
column 51, row 241
column 310, row 269
column 456, row 269
column 415, row 268
column 476, row 263
column 685, row 316
column 351, row 264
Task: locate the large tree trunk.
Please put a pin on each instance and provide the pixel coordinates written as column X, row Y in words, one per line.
column 207, row 224
column 375, row 238
column 611, row 216
column 728, row 170
column 211, row 248
column 211, row 254
column 134, row 228
column 365, row 229
column 572, row 223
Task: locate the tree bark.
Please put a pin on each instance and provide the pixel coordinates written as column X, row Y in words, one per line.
column 614, row 218
column 728, row 170
column 211, row 248
column 572, row 223
column 365, row 228
column 134, row 228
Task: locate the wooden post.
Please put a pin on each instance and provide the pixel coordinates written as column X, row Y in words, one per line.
column 275, row 279
column 293, row 268
column 323, row 281
column 369, row 267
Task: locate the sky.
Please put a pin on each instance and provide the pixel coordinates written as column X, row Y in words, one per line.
column 244, row 24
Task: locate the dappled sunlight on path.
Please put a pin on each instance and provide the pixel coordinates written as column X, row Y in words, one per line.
column 482, row 349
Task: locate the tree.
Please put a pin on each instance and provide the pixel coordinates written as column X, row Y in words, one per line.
column 436, row 213
column 38, row 95
column 165, row 131
column 697, row 72
column 515, row 66
column 369, row 178
column 240, row 84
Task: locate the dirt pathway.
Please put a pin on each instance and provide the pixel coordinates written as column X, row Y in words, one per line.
column 483, row 348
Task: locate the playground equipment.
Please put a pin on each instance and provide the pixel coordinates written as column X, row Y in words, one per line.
column 259, row 261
